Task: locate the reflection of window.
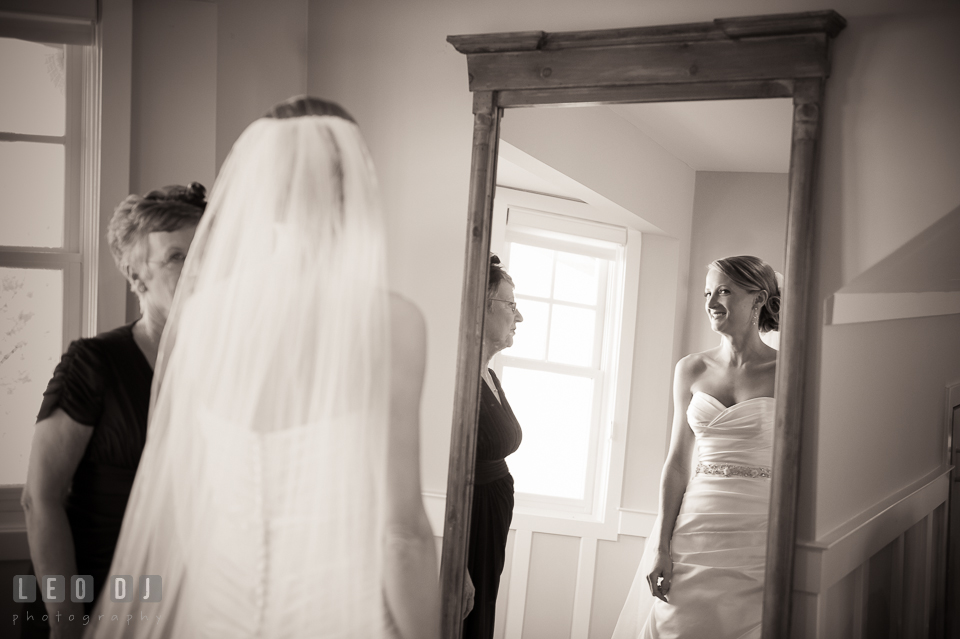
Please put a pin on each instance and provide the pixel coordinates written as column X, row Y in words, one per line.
column 42, row 216
column 559, row 373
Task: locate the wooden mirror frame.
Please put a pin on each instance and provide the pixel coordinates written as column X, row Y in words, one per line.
column 773, row 56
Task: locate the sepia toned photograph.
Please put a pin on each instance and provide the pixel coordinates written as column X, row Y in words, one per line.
column 434, row 319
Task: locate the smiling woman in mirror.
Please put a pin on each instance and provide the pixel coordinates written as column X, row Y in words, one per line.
column 498, row 435
column 704, row 561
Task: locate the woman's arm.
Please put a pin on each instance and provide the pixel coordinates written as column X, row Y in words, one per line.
column 58, row 445
column 674, row 479
column 410, row 562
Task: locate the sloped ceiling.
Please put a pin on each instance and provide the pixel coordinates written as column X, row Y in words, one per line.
column 919, row 279
column 751, row 136
column 930, row 262
column 514, row 176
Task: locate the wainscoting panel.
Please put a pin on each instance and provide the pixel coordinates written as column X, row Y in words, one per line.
column 617, row 563
column 551, row 586
column 881, row 576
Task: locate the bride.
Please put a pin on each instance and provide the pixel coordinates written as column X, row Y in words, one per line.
column 704, row 561
column 279, row 490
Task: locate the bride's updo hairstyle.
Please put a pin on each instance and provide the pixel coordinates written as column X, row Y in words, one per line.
column 303, row 105
column 753, row 274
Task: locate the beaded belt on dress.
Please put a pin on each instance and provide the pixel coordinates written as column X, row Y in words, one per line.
column 732, row 470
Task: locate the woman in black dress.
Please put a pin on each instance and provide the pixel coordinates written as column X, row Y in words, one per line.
column 498, row 435
column 92, row 423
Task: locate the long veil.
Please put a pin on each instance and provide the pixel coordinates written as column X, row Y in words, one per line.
column 258, row 499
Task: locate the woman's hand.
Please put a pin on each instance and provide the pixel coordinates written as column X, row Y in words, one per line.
column 660, row 576
column 469, row 592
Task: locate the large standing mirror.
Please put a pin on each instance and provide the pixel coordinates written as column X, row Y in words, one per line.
column 755, row 70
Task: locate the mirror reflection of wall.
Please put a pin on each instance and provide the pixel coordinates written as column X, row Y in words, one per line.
column 606, row 218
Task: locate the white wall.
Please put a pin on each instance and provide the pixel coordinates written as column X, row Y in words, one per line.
column 201, row 72
column 891, row 154
column 733, row 214
column 116, row 26
column 174, row 102
column 261, row 59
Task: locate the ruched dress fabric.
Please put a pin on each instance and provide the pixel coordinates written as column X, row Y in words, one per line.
column 498, row 435
column 102, row 382
column 720, row 537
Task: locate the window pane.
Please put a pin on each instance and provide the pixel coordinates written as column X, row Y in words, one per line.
column 31, row 181
column 555, row 414
column 531, row 268
column 531, row 338
column 577, row 278
column 571, row 335
column 33, row 78
column 31, row 340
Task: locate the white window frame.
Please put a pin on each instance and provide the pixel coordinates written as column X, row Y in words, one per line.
column 598, row 515
column 77, row 258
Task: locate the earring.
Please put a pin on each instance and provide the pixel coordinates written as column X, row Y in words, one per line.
column 141, row 287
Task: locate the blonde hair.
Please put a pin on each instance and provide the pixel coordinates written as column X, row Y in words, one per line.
column 753, row 274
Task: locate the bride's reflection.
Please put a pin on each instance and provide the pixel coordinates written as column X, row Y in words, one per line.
column 704, row 561
column 604, row 322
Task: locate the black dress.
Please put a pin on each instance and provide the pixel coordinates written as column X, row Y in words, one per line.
column 498, row 435
column 102, row 382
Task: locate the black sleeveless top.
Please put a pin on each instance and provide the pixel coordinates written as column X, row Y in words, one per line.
column 102, row 382
column 498, row 434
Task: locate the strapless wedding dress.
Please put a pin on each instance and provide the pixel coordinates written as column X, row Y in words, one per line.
column 720, row 538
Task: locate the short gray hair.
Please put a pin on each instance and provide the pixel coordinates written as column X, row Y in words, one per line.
column 167, row 209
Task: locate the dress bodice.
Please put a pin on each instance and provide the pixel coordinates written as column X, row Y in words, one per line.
column 498, row 434
column 741, row 434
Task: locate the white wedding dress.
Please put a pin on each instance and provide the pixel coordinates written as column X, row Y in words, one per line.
column 259, row 499
column 720, row 538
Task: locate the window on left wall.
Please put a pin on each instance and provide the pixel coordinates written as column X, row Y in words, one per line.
column 47, row 213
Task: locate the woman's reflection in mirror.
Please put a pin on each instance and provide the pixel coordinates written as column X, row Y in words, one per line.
column 704, row 561
column 498, row 435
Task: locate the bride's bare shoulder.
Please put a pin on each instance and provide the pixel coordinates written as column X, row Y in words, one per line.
column 408, row 329
column 696, row 363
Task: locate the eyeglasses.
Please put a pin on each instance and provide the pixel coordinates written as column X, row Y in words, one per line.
column 173, row 262
column 512, row 305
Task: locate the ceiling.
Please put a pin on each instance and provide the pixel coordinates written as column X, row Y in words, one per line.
column 515, row 176
column 750, row 136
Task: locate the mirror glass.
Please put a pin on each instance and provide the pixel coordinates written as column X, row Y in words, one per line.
column 606, row 218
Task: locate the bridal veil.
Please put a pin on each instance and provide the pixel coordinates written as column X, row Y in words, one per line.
column 258, row 497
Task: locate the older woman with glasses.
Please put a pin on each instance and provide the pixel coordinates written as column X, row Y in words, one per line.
column 92, row 424
column 498, row 435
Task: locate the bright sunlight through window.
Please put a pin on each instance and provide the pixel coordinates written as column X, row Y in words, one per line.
column 556, row 372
